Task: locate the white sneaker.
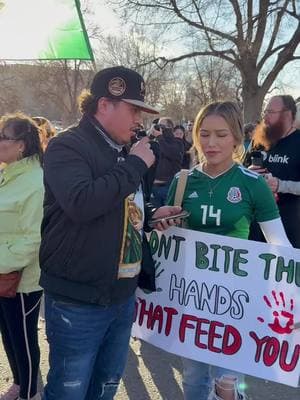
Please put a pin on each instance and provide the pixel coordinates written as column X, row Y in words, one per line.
column 12, row 393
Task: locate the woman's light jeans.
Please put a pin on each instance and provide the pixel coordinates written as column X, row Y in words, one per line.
column 198, row 377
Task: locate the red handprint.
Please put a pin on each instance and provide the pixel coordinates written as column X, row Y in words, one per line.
column 283, row 318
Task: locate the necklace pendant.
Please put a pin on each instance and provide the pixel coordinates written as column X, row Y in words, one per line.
column 210, row 193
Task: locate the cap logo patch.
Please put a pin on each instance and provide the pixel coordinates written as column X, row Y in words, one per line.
column 117, row 86
column 234, row 195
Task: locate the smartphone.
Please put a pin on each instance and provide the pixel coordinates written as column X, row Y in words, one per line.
column 182, row 215
column 257, row 159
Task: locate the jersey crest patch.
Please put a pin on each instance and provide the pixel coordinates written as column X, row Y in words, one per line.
column 234, row 195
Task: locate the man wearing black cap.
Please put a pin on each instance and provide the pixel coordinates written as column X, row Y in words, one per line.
column 91, row 248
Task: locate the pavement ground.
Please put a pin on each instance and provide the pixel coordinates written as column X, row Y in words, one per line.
column 153, row 374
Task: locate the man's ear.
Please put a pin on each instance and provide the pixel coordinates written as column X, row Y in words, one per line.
column 104, row 105
column 21, row 147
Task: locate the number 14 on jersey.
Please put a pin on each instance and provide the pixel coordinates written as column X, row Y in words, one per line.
column 208, row 211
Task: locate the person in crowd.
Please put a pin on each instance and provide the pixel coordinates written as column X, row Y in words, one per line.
column 277, row 141
column 21, row 206
column 179, row 132
column 171, row 151
column 248, row 134
column 189, row 131
column 193, row 159
column 223, row 197
column 47, row 130
column 91, row 249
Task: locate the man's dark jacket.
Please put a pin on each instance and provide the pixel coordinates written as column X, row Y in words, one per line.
column 171, row 151
column 82, row 228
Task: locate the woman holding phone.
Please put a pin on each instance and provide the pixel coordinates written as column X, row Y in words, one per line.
column 222, row 198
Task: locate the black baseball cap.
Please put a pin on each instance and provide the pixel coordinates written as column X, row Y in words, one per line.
column 121, row 83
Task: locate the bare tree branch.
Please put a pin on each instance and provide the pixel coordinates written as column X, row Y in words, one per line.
column 161, row 62
column 275, row 31
column 258, row 40
column 249, row 21
column 286, row 55
column 201, row 26
column 238, row 19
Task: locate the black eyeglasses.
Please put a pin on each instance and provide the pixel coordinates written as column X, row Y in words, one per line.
column 265, row 112
column 4, row 137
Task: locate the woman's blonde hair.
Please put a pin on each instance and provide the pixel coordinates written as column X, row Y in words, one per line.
column 232, row 114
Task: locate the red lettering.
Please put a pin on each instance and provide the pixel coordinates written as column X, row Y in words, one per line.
column 144, row 312
column 233, row 334
column 271, row 351
column 184, row 324
column 259, row 344
column 170, row 313
column 157, row 316
column 231, row 338
column 200, row 332
column 153, row 316
column 283, row 356
column 212, row 335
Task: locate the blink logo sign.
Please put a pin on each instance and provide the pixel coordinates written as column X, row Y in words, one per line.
column 276, row 158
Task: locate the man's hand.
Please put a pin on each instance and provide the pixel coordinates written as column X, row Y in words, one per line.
column 166, row 211
column 257, row 169
column 272, row 182
column 142, row 150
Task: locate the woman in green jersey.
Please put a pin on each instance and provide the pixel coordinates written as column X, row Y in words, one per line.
column 222, row 198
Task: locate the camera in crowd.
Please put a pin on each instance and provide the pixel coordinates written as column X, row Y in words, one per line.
column 257, row 159
column 166, row 131
column 140, row 132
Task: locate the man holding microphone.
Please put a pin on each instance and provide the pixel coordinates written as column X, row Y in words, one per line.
column 91, row 250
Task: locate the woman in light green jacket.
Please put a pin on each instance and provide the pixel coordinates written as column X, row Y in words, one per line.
column 21, row 205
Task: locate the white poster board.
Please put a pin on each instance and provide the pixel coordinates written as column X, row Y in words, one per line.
column 224, row 301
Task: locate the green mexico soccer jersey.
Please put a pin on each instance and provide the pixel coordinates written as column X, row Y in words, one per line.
column 226, row 204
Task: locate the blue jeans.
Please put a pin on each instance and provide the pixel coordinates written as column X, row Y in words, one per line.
column 88, row 346
column 198, row 376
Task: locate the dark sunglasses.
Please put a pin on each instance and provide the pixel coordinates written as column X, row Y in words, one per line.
column 4, row 137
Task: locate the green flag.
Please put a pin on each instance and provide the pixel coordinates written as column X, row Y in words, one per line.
column 43, row 30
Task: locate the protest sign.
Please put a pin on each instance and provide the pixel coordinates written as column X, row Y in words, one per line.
column 224, row 301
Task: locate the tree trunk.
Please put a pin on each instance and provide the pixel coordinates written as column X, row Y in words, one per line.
column 253, row 97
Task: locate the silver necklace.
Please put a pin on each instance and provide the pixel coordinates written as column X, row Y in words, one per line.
column 212, row 188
